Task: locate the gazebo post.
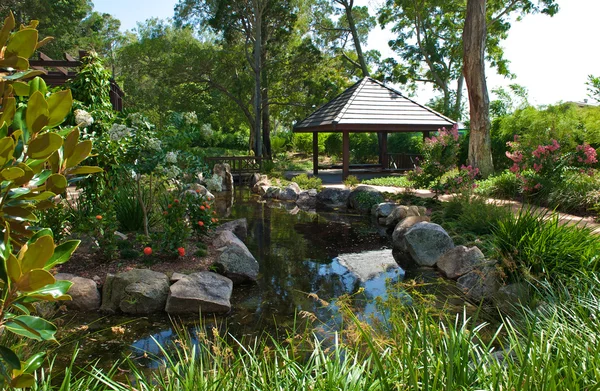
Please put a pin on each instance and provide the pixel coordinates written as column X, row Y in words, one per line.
column 425, row 134
column 315, row 153
column 345, row 155
column 384, row 152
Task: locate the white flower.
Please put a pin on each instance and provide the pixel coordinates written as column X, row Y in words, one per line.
column 215, row 183
column 206, row 131
column 171, row 157
column 172, row 172
column 118, row 131
column 153, row 144
column 137, row 120
column 190, row 118
column 83, row 118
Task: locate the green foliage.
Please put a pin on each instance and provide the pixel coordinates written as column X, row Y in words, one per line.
column 91, row 86
column 536, row 243
column 302, row 142
column 305, row 182
column 504, row 185
column 366, row 199
column 103, row 228
column 175, row 231
column 37, row 162
column 333, row 144
column 405, row 142
column 202, row 217
column 392, row 181
column 364, row 148
column 593, row 85
column 351, row 181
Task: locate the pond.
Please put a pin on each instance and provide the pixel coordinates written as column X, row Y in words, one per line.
column 307, row 260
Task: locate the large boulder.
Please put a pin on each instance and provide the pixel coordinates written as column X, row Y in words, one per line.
column 384, row 209
column 290, row 192
column 459, row 261
column 203, row 292
column 254, row 178
column 198, row 189
column 307, row 199
column 84, row 292
column 333, row 198
column 224, row 171
column 424, row 243
column 239, row 227
column 138, row 291
column 235, row 260
column 272, row 192
column 262, row 181
column 397, row 214
column 362, row 198
column 402, row 227
column 481, row 283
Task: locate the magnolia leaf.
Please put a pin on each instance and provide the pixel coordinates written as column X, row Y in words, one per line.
column 43, row 42
column 33, row 362
column 14, row 61
column 56, row 183
column 7, row 146
column 21, row 88
column 23, row 213
column 59, row 106
column 36, row 115
column 32, row 327
column 62, row 253
column 37, row 254
column 22, row 43
column 13, row 268
column 39, row 196
column 85, row 170
column 40, row 233
column 53, row 292
column 70, row 143
column 40, row 178
column 44, row 145
column 26, row 74
column 35, row 280
column 11, row 173
column 25, row 380
column 10, row 357
column 9, row 24
column 9, row 109
column 22, row 308
column 27, row 175
column 80, row 153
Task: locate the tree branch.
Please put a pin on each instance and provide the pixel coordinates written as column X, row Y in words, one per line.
column 504, row 12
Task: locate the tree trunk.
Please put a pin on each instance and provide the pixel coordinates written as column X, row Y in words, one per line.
column 266, row 120
column 474, row 39
column 458, row 103
column 355, row 38
column 257, row 76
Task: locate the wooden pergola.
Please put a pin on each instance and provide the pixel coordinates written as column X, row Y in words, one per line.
column 369, row 107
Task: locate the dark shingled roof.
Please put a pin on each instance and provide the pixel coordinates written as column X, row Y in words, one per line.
column 371, row 106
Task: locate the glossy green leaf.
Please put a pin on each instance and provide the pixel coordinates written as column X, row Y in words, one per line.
column 59, row 106
column 13, row 268
column 70, row 143
column 44, row 145
column 22, row 308
column 35, row 280
column 27, row 175
column 40, row 233
column 36, row 115
column 36, row 254
column 39, row 196
column 7, row 146
column 85, row 170
column 25, row 380
column 56, row 183
column 9, row 110
column 34, row 362
column 10, row 357
column 11, row 173
column 40, row 179
column 9, row 24
column 62, row 253
column 20, row 212
column 53, row 292
column 32, row 327
column 80, row 153
column 22, row 43
column 21, row 88
column 25, row 74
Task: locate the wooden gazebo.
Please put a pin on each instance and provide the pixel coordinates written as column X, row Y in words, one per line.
column 370, row 107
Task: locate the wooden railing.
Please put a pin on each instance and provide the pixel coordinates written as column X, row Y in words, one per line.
column 241, row 166
column 402, row 161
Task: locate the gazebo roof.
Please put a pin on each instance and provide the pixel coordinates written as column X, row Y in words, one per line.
column 370, row 106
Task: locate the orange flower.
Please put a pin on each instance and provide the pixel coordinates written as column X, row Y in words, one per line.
column 181, row 251
column 170, row 206
column 98, row 217
column 148, row 251
column 214, row 212
column 197, row 191
column 201, row 223
column 214, row 220
column 165, row 213
column 207, row 206
column 176, row 201
column 202, row 207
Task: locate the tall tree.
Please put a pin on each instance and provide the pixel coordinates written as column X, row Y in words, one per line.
column 100, row 33
column 481, row 17
column 593, row 87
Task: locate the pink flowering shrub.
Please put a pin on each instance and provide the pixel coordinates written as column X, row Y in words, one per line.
column 464, row 181
column 440, row 155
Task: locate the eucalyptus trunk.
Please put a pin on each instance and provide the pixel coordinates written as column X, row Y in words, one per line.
column 474, row 39
column 257, row 76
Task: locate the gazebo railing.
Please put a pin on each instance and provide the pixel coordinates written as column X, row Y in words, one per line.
column 241, row 166
column 402, row 161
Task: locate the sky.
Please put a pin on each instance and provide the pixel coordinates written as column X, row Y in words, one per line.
column 551, row 56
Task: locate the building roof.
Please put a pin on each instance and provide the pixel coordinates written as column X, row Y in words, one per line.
column 370, row 106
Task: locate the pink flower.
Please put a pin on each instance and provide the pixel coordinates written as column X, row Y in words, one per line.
column 514, row 168
column 537, row 167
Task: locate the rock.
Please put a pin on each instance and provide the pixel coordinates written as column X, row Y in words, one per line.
column 238, row 264
column 384, row 209
column 362, row 198
column 402, row 227
column 138, row 291
column 480, row 284
column 227, row 239
column 198, row 189
column 263, row 181
column 294, row 211
column 239, row 227
column 424, row 242
column 176, row 277
column 396, row 215
column 381, row 221
column 203, row 292
column 508, row 296
column 307, row 199
column 290, row 192
column 422, row 211
column 333, row 198
column 459, row 261
column 254, row 178
column 84, row 292
column 121, row 236
column 224, row 171
column 369, row 264
column 262, row 190
column 413, row 210
column 272, row 192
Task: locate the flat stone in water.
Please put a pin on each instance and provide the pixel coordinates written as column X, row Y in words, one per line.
column 369, row 264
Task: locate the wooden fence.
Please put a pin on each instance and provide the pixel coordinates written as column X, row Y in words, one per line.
column 241, row 166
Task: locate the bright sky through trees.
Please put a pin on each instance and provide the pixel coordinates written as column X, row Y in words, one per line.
column 551, row 57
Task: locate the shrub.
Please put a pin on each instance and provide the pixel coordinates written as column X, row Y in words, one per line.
column 176, row 230
column 333, row 144
column 302, row 142
column 351, row 181
column 503, row 185
column 393, row 181
column 305, row 182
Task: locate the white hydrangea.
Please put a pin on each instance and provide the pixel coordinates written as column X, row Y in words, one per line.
column 215, row 183
column 190, row 118
column 172, row 172
column 137, row 120
column 83, row 118
column 206, row 131
column 171, row 157
column 153, row 144
column 118, row 131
